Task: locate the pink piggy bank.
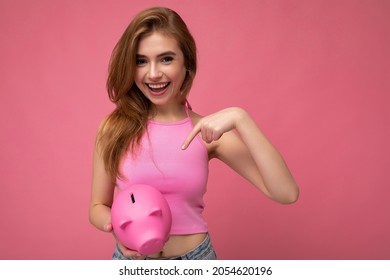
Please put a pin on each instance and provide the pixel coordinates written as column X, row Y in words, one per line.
column 141, row 219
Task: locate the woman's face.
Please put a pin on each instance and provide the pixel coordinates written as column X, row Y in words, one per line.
column 160, row 69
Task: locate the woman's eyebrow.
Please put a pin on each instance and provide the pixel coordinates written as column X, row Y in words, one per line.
column 167, row 53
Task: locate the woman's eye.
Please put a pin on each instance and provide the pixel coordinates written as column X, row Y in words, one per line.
column 167, row 59
column 140, row 61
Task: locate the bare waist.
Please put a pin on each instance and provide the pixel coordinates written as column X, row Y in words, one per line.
column 179, row 245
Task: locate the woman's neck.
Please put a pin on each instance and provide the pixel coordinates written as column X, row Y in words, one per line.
column 168, row 114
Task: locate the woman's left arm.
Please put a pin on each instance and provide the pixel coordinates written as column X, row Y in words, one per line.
column 250, row 154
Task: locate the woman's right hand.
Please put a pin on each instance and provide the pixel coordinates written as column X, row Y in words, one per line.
column 130, row 253
column 125, row 251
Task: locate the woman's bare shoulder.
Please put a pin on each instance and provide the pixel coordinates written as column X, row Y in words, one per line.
column 195, row 117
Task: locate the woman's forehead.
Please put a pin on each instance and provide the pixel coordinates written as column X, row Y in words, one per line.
column 156, row 44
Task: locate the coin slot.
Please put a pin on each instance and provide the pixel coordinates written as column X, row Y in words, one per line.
column 132, row 198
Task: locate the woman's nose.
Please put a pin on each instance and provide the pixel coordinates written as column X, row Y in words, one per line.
column 154, row 72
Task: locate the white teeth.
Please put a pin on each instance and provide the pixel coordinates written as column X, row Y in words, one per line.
column 157, row 86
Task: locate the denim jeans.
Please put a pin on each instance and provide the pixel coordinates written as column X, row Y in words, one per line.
column 204, row 251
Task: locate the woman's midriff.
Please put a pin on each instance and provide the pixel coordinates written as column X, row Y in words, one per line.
column 178, row 245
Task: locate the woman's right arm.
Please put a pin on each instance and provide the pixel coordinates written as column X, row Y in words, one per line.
column 102, row 196
column 102, row 193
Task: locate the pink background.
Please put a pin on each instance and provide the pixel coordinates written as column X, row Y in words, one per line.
column 313, row 74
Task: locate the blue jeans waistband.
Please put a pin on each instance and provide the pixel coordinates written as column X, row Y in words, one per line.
column 204, row 251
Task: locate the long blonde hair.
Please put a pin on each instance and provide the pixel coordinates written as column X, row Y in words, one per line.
column 123, row 128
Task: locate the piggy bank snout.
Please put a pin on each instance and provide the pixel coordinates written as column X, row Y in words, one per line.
column 151, row 246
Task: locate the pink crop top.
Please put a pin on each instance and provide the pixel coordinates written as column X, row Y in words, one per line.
column 180, row 175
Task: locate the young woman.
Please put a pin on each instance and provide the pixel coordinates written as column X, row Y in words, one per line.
column 153, row 137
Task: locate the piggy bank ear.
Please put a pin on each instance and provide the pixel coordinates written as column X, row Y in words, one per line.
column 124, row 223
column 156, row 212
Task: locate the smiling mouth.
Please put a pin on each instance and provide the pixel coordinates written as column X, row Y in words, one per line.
column 158, row 87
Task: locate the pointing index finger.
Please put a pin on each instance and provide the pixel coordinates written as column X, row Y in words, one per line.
column 191, row 136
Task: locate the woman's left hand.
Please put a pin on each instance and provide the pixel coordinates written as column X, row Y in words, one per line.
column 249, row 153
column 213, row 126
